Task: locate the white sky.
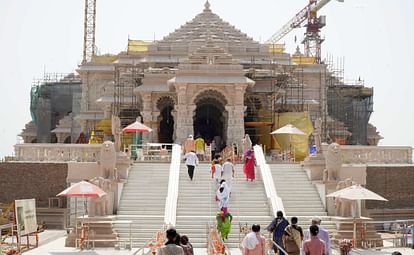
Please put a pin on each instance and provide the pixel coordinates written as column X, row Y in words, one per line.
column 375, row 37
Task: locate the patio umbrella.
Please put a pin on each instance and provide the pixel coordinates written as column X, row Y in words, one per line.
column 290, row 130
column 136, row 127
column 356, row 193
column 82, row 189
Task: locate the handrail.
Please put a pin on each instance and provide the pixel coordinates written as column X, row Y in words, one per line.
column 154, row 237
column 276, row 203
column 172, row 196
column 278, row 247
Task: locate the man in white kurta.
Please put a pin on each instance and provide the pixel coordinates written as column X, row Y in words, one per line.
column 228, row 172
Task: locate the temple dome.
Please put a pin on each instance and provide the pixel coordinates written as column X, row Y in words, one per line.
column 204, row 25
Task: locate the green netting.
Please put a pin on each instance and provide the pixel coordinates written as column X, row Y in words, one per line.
column 34, row 99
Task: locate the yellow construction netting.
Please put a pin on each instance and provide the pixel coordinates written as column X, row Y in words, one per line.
column 105, row 125
column 276, row 48
column 104, row 58
column 285, row 142
column 137, row 46
column 301, row 60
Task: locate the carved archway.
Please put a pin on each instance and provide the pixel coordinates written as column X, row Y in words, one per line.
column 165, row 105
column 210, row 116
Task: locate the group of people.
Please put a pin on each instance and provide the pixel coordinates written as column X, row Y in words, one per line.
column 291, row 238
column 176, row 244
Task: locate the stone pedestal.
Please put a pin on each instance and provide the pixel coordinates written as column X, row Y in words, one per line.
column 123, row 162
column 314, row 166
column 97, row 231
column 366, row 235
column 330, row 187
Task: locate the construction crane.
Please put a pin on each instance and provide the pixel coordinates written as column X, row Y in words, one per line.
column 312, row 40
column 89, row 31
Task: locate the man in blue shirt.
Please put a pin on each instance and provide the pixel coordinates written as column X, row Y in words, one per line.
column 277, row 227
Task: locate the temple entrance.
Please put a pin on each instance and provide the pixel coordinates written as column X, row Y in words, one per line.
column 210, row 118
column 166, row 120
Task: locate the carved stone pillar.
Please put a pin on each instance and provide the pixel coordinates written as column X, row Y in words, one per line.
column 147, row 118
column 146, row 115
column 235, row 124
column 155, row 126
column 174, row 115
column 184, row 113
column 184, row 122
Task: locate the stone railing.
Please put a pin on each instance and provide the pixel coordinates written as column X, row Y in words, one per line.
column 356, row 154
column 57, row 152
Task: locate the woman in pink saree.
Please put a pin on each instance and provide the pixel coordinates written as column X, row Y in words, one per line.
column 249, row 163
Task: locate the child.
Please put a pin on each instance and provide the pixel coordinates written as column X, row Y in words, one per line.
column 216, row 170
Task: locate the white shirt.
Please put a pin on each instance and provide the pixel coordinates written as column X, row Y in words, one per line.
column 227, row 169
column 191, row 159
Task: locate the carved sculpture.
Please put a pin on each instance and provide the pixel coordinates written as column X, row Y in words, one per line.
column 108, row 161
column 347, row 205
column 317, row 134
column 333, row 162
column 338, row 201
column 116, row 131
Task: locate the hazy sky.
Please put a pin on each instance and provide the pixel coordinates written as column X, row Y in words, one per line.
column 374, row 36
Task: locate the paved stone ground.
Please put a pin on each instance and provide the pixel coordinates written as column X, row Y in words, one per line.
column 52, row 242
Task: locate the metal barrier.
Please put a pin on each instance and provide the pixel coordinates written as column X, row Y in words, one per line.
column 396, row 233
column 153, row 243
column 161, row 152
column 274, row 200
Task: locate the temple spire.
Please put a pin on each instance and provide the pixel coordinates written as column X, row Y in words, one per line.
column 207, row 7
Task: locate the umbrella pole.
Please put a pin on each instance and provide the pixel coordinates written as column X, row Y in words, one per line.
column 354, row 241
column 76, row 217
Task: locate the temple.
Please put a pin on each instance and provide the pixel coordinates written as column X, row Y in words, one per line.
column 210, row 79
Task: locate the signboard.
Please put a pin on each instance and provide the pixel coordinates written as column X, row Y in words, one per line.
column 25, row 211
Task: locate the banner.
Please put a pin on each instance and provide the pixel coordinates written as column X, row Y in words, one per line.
column 25, row 211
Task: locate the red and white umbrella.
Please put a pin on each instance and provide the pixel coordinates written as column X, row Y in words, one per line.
column 82, row 189
column 136, row 127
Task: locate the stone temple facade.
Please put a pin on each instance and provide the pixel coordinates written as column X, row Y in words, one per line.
column 207, row 78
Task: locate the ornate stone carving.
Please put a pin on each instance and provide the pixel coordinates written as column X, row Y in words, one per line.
column 333, row 161
column 116, row 131
column 108, row 161
column 317, row 134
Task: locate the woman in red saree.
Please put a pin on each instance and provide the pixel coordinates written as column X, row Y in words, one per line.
column 249, row 163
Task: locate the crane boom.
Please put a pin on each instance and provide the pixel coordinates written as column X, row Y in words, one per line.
column 89, row 30
column 297, row 20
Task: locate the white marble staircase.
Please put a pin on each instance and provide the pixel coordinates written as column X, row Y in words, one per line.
column 196, row 206
column 143, row 202
column 300, row 197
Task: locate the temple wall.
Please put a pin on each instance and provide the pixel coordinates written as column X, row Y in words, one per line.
column 32, row 180
column 394, row 182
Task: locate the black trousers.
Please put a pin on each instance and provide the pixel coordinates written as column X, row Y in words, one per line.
column 190, row 171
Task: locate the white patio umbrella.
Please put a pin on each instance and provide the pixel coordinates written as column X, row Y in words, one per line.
column 356, row 193
column 290, row 130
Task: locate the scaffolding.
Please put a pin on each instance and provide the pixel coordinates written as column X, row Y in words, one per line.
column 350, row 105
column 126, row 104
column 284, row 93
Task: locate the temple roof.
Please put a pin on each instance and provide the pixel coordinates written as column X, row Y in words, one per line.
column 205, row 23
